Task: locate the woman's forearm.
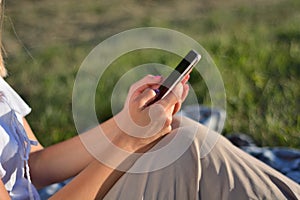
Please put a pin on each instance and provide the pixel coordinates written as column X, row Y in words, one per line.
column 3, row 192
column 91, row 183
column 66, row 159
column 58, row 162
column 95, row 179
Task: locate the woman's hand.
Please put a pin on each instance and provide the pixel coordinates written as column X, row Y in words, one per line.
column 134, row 129
column 143, row 124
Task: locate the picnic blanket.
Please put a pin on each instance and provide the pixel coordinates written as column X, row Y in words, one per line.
column 283, row 159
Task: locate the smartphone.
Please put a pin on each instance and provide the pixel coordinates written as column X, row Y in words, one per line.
column 183, row 68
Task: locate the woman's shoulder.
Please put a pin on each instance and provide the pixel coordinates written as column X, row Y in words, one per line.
column 11, row 100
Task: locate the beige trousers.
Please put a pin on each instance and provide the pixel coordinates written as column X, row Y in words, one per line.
column 211, row 168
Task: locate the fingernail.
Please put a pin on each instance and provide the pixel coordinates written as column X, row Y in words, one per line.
column 187, row 77
column 157, row 77
column 156, row 91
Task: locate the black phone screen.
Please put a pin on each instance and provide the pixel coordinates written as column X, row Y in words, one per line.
column 183, row 68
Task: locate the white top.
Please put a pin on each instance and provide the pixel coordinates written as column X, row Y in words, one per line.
column 14, row 145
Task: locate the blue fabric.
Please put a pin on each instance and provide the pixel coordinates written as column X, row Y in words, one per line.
column 285, row 160
column 14, row 145
column 47, row 192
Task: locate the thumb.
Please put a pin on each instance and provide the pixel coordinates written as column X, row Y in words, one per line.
column 173, row 97
column 145, row 97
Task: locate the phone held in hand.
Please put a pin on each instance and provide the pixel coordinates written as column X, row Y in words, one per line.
column 183, row 68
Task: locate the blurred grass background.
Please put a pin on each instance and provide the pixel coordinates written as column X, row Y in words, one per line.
column 255, row 44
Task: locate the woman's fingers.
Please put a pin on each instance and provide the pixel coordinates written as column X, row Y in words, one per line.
column 141, row 91
column 147, row 123
column 139, row 88
column 145, row 97
column 180, row 93
column 173, row 97
column 186, row 89
column 185, row 79
column 147, row 82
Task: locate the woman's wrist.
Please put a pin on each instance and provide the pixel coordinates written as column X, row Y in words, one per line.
column 122, row 139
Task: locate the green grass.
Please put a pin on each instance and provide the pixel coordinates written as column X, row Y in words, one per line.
column 255, row 44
